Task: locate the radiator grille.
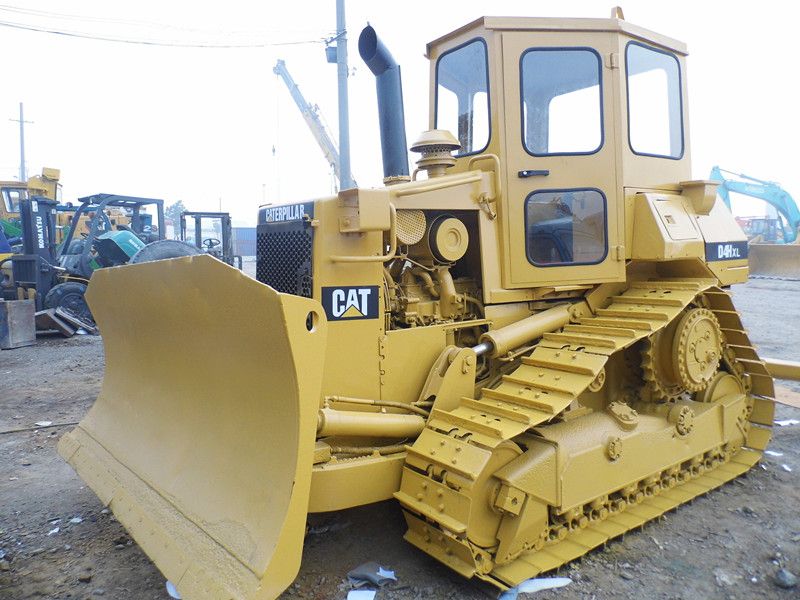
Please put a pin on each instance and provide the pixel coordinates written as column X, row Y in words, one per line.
column 284, row 257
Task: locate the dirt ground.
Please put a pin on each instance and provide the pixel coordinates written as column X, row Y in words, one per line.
column 57, row 540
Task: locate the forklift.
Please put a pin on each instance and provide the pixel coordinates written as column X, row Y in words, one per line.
column 216, row 247
column 34, row 270
column 56, row 275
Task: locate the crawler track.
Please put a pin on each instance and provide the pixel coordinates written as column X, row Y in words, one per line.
column 462, row 442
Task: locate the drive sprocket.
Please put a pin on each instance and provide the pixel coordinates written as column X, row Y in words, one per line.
column 683, row 357
column 697, row 349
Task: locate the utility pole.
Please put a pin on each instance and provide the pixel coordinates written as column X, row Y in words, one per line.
column 23, row 177
column 344, row 122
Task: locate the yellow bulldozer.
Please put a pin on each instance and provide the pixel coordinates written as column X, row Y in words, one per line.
column 527, row 342
column 47, row 185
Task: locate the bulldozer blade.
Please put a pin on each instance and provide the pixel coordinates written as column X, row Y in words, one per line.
column 201, row 440
column 775, row 260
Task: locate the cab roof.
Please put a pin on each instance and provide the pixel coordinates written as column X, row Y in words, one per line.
column 612, row 25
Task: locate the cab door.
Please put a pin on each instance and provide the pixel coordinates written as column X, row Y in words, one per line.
column 563, row 206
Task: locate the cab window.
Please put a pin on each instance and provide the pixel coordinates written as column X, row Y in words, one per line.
column 565, row 227
column 562, row 110
column 11, row 198
column 655, row 114
column 462, row 96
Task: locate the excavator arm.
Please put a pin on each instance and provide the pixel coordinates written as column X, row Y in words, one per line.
column 768, row 191
column 781, row 260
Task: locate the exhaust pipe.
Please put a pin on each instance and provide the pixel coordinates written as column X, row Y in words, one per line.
column 390, row 105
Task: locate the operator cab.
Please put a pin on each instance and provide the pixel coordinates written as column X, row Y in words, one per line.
column 581, row 113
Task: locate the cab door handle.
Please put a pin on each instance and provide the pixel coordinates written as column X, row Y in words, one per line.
column 534, row 173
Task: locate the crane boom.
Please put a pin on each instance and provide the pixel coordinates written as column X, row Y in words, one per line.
column 327, row 145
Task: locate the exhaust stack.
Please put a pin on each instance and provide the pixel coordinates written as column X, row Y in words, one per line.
column 390, row 105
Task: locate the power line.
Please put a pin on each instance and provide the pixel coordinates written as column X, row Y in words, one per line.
column 170, row 44
column 87, row 18
column 134, row 22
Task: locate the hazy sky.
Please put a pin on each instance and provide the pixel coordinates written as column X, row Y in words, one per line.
column 200, row 124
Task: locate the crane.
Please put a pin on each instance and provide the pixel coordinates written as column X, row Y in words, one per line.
column 311, row 115
column 768, row 191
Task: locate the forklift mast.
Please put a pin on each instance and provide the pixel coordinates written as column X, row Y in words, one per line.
column 220, row 248
column 33, row 268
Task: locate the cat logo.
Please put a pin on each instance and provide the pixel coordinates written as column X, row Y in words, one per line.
column 350, row 303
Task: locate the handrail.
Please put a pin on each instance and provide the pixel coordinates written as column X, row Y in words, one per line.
column 436, row 185
column 498, row 185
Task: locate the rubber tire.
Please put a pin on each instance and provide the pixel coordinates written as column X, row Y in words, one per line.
column 70, row 296
column 162, row 250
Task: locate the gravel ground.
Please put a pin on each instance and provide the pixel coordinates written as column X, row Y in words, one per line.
column 57, row 541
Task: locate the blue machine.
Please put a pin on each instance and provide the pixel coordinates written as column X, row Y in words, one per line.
column 768, row 191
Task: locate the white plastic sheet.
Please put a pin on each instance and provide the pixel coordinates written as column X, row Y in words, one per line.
column 531, row 586
column 361, row 595
column 173, row 591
